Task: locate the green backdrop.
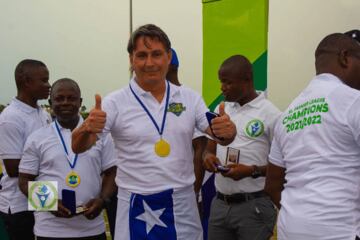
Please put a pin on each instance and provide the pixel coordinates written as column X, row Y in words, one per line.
column 233, row 27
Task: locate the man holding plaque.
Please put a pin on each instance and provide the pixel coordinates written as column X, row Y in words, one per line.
column 314, row 169
column 85, row 181
column 241, row 210
column 155, row 174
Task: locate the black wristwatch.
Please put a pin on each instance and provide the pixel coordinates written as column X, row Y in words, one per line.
column 256, row 172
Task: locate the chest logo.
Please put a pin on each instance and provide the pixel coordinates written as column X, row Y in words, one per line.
column 254, row 128
column 176, row 108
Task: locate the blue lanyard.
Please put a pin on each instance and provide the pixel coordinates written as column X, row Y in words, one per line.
column 72, row 166
column 160, row 131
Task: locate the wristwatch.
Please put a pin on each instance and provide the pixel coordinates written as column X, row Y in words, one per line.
column 256, row 172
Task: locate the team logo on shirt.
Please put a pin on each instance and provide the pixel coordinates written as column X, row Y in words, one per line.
column 43, row 195
column 176, row 108
column 254, row 128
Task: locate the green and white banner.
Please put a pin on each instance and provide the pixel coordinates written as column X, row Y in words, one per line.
column 233, row 27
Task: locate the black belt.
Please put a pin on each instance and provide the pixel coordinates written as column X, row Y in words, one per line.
column 240, row 197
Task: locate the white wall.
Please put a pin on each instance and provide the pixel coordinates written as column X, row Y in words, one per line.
column 295, row 29
column 86, row 40
column 83, row 39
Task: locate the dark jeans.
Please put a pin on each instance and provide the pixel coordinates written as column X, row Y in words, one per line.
column 19, row 226
column 97, row 237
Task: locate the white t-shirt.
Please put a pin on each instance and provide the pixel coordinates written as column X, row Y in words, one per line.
column 140, row 170
column 45, row 157
column 255, row 123
column 17, row 122
column 317, row 140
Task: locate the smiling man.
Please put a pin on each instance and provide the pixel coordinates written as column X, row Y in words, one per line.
column 17, row 122
column 155, row 173
column 89, row 176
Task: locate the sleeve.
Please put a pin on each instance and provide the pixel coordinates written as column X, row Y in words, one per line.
column 216, row 110
column 353, row 115
column 111, row 114
column 108, row 156
column 275, row 156
column 30, row 160
column 200, row 111
column 12, row 141
column 272, row 123
column 198, row 133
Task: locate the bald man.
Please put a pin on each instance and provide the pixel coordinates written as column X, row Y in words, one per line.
column 314, row 170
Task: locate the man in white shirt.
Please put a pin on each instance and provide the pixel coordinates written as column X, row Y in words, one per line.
column 314, row 170
column 48, row 157
column 17, row 122
column 155, row 173
column 241, row 210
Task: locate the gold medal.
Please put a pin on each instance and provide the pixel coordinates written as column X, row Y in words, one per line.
column 72, row 179
column 162, row 148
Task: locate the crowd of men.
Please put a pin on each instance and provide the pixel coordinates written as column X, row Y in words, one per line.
column 149, row 143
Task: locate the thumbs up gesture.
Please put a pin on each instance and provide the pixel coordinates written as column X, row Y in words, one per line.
column 95, row 122
column 223, row 127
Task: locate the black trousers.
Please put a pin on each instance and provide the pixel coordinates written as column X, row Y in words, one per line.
column 19, row 226
column 97, row 237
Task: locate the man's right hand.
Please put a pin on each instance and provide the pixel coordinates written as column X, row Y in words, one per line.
column 95, row 122
column 62, row 211
column 85, row 136
column 210, row 162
